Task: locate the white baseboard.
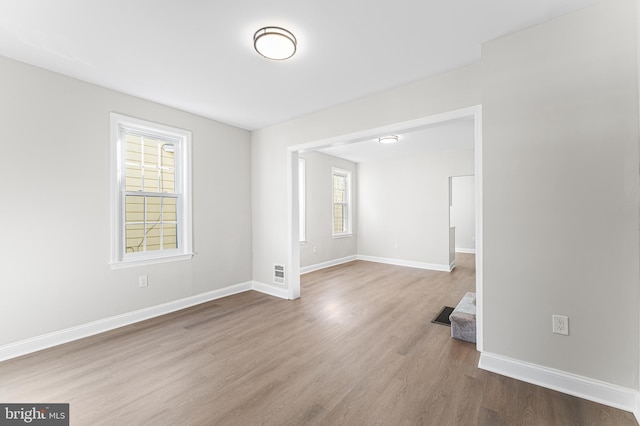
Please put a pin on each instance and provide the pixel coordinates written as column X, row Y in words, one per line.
column 465, row 250
column 452, row 265
column 636, row 412
column 327, row 264
column 271, row 290
column 409, row 263
column 582, row 387
column 34, row 344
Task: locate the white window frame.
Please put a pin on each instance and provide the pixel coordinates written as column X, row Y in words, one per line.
column 302, row 199
column 347, row 175
column 182, row 143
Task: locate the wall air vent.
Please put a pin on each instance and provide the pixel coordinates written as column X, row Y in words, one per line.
column 278, row 274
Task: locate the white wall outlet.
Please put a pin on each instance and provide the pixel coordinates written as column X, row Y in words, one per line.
column 396, row 245
column 315, row 249
column 143, row 280
column 561, row 325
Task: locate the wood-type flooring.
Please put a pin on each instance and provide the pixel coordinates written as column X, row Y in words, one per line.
column 358, row 348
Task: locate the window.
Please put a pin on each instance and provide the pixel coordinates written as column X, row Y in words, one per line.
column 341, row 202
column 302, row 199
column 151, row 195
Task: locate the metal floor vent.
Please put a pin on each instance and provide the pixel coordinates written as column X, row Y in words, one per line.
column 278, row 274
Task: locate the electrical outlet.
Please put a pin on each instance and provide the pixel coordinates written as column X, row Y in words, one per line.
column 143, row 281
column 315, row 249
column 396, row 246
column 561, row 325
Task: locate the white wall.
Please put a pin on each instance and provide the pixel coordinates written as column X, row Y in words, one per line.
column 55, row 211
column 560, row 120
column 404, row 206
column 319, row 207
column 463, row 212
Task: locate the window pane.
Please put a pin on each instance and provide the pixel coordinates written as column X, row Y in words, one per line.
column 149, row 164
column 151, row 223
column 153, row 236
column 134, row 238
column 150, row 179
column 169, row 210
column 167, row 181
column 151, row 152
column 167, row 165
column 341, row 220
column 134, row 209
column 154, row 209
column 339, row 186
column 133, row 149
column 339, row 214
column 133, row 158
column 169, row 236
column 133, row 178
column 168, row 154
column 302, row 213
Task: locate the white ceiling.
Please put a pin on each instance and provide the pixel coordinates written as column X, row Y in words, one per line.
column 198, row 55
column 451, row 136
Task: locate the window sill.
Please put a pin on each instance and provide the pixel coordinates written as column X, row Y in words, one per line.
column 336, row 236
column 150, row 261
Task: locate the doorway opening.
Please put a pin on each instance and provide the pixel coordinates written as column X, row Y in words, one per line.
column 293, row 215
column 462, row 223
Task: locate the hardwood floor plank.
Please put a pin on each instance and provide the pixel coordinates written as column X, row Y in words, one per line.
column 358, row 348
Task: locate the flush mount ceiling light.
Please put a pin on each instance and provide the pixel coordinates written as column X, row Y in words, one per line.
column 388, row 139
column 275, row 43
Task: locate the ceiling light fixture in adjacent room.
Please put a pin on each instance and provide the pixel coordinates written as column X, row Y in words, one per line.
column 275, row 43
column 388, row 139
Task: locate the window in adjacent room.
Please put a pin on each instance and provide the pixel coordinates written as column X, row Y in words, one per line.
column 341, row 202
column 302, row 199
column 151, row 193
